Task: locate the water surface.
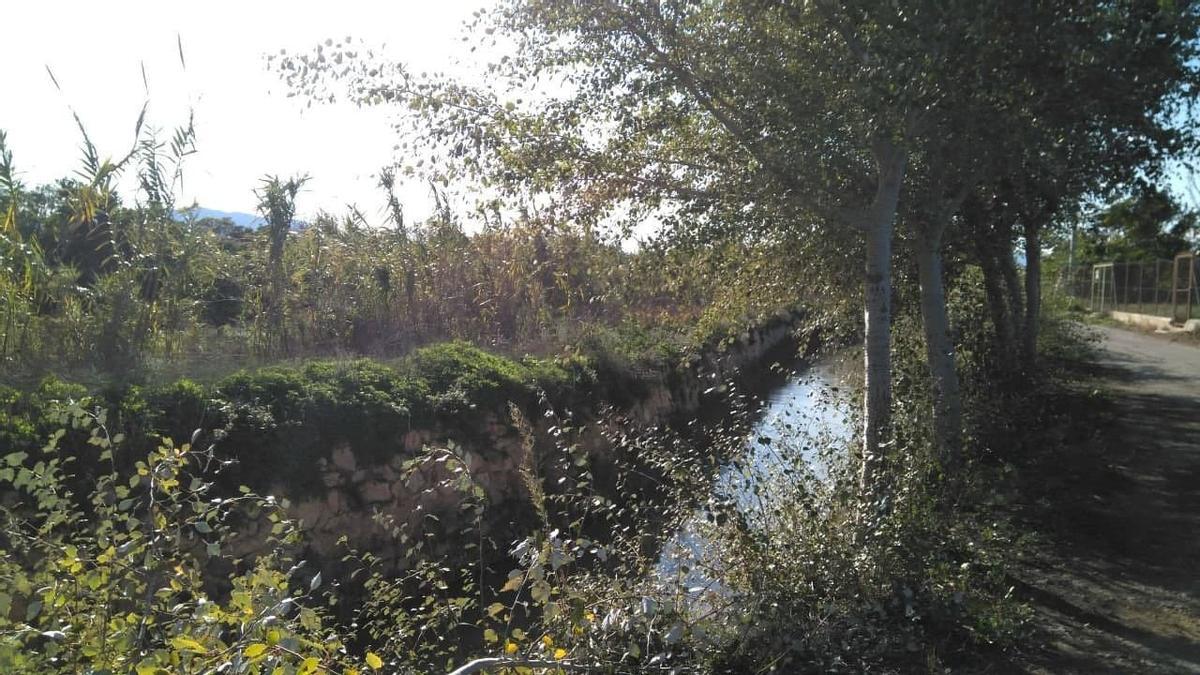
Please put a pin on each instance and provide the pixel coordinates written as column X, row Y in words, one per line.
column 810, row 411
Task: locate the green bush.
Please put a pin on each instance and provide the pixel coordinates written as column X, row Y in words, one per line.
column 140, row 574
column 27, row 417
column 461, row 376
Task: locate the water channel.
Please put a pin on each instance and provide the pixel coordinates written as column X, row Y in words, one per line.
column 807, row 416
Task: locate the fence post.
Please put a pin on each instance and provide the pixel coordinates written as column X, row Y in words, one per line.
column 1092, row 291
column 1140, row 286
column 1104, row 278
column 1194, row 282
column 1157, row 269
column 1127, row 268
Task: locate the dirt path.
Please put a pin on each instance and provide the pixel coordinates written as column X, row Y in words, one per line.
column 1115, row 582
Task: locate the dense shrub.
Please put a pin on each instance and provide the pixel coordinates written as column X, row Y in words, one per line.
column 128, row 575
column 278, row 421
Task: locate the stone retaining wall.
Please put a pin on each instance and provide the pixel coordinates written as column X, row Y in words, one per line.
column 357, row 497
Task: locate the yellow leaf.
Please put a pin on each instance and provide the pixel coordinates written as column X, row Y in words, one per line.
column 184, row 644
column 255, row 650
column 560, row 653
column 510, row 647
column 374, row 661
column 548, row 641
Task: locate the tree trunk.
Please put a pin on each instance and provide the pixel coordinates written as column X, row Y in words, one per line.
column 877, row 316
column 1003, row 256
column 939, row 349
column 993, row 287
column 982, row 224
column 1033, row 293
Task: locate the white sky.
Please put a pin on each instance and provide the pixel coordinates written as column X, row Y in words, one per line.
column 246, row 126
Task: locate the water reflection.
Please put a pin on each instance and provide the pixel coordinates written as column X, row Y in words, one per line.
column 810, row 413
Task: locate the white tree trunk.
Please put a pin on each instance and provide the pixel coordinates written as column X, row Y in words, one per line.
column 877, row 316
column 939, row 350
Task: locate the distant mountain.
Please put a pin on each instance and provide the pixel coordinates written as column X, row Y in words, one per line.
column 242, row 219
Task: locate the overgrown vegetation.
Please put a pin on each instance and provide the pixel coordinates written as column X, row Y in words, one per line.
column 786, row 580
column 119, row 577
column 95, row 286
column 486, row 407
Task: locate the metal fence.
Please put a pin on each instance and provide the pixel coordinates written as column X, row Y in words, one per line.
column 1165, row 288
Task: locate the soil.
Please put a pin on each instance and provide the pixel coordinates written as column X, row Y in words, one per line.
column 1114, row 576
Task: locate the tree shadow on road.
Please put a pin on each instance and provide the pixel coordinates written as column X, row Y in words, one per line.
column 1114, row 576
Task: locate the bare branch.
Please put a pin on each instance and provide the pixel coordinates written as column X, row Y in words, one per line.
column 491, row 663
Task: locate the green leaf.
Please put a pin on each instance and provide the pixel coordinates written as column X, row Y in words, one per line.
column 540, row 591
column 255, row 650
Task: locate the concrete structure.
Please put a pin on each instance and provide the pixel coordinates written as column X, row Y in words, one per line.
column 1161, row 324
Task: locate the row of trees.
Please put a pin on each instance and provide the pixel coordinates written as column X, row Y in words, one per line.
column 1148, row 225
column 925, row 131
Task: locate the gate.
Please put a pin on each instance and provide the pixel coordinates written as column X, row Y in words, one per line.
column 1103, row 288
column 1184, row 291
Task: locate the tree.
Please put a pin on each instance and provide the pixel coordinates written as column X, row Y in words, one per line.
column 807, row 121
column 736, row 117
column 1110, row 81
column 1148, row 225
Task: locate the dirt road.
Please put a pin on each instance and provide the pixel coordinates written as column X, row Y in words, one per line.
column 1115, row 583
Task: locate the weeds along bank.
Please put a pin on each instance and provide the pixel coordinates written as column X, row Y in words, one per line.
column 577, row 579
column 341, row 440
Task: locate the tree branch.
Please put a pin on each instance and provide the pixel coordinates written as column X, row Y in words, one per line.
column 485, row 664
column 853, row 43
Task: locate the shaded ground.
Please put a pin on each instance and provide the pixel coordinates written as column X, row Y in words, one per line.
column 1114, row 581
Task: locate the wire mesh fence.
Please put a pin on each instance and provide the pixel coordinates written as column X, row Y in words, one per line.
column 1164, row 288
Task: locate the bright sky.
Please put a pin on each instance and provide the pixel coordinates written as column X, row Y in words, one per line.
column 246, row 125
